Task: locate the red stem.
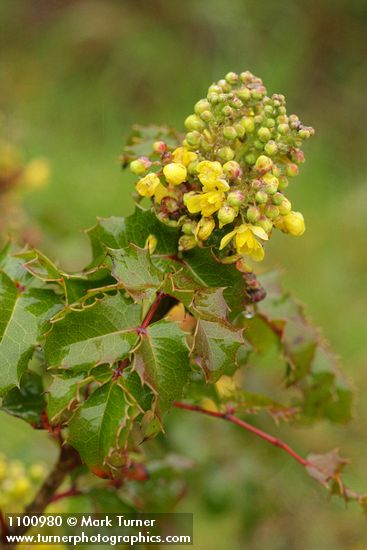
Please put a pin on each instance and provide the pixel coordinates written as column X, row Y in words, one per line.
column 65, row 494
column 231, row 418
column 152, row 310
column 3, row 525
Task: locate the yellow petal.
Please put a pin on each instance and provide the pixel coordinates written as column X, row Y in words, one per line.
column 259, row 232
column 227, row 239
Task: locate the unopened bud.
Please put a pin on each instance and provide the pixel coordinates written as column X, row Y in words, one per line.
column 225, row 153
column 271, row 148
column 151, row 243
column 244, row 94
column 253, row 214
column 248, row 123
column 266, row 224
column 140, row 165
column 229, row 132
column 186, row 242
column 193, row 138
column 235, row 198
column 261, row 197
column 201, row 106
column 285, row 206
column 231, row 78
column 194, row 122
column 292, row 170
column 159, row 147
column 189, row 227
column 205, row 228
column 277, row 199
column 226, row 214
column 263, row 163
column 227, row 111
column 175, row 173
column 232, row 170
column 283, row 183
column 294, row 223
column 271, row 211
column 283, row 129
column 264, row 134
column 271, row 183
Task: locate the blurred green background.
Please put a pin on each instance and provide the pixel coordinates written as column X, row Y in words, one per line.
column 75, row 74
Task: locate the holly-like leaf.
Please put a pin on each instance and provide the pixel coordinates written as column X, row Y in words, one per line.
column 61, row 393
column 23, row 313
column 101, row 424
column 101, row 333
column 162, row 361
column 27, row 401
column 215, row 348
column 133, row 268
column 140, row 143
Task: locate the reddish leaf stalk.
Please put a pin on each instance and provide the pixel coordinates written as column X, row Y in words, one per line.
column 72, row 492
column 231, row 418
column 152, row 310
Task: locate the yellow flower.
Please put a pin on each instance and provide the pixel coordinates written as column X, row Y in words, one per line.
column 204, row 228
column 37, row 173
column 206, row 203
column 245, row 241
column 147, row 186
column 175, row 173
column 182, row 156
column 211, row 176
column 294, row 223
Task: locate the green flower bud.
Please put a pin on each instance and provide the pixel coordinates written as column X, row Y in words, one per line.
column 227, row 111
column 232, row 169
column 292, row 170
column 189, row 227
column 285, row 207
column 235, row 198
column 263, row 164
column 266, row 224
column 244, row 94
column 187, row 242
column 253, row 214
column 256, row 184
column 268, row 109
column 271, row 211
column 304, row 133
column 270, row 123
column 264, row 134
column 261, row 197
column 140, row 165
column 231, row 78
column 207, row 116
column 201, row 106
column 248, row 123
column 277, row 199
column 271, row 148
column 250, row 158
column 191, row 169
column 226, row 87
column 213, row 98
column 236, row 103
column 193, row 122
column 159, row 147
column 193, row 138
column 229, row 132
column 257, row 93
column 283, row 183
column 259, row 145
column 240, row 130
column 226, row 214
column 225, row 153
column 283, row 129
column 271, row 183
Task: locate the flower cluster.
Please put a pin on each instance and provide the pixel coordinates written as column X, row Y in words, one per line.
column 230, row 171
column 18, row 483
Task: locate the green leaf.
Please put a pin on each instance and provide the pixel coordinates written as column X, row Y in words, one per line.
column 162, row 361
column 23, row 313
column 100, row 425
column 140, row 143
column 100, row 333
column 120, row 232
column 61, row 393
column 27, row 401
column 215, row 348
column 133, row 268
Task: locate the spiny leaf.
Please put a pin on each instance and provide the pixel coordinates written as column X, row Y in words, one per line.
column 101, row 424
column 27, row 401
column 23, row 313
column 215, row 348
column 101, row 333
column 61, row 393
column 162, row 361
column 133, row 268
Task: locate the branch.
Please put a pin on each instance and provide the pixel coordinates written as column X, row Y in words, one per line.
column 231, row 418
